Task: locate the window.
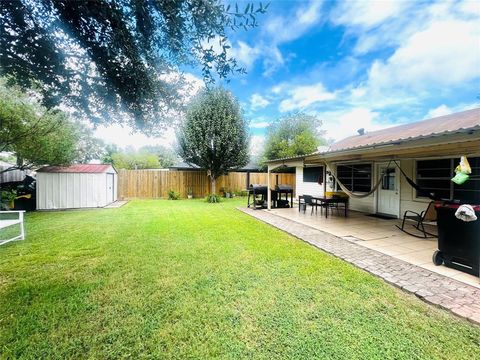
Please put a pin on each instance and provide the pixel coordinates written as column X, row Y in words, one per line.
column 355, row 177
column 313, row 174
column 388, row 182
column 435, row 176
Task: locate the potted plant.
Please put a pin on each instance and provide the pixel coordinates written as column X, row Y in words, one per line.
column 190, row 192
column 228, row 193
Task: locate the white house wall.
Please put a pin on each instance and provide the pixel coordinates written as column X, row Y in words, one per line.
column 306, row 188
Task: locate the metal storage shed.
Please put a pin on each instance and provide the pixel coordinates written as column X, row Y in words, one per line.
column 76, row 186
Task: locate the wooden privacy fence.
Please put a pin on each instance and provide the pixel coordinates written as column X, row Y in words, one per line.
column 154, row 184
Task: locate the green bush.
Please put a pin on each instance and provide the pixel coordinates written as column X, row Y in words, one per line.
column 213, row 198
column 6, row 198
column 173, row 195
column 241, row 193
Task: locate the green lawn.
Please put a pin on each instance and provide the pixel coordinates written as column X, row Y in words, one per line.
column 187, row 279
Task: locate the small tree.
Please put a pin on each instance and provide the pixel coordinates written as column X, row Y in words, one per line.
column 293, row 135
column 214, row 134
column 166, row 157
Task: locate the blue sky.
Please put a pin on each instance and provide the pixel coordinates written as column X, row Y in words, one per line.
column 355, row 64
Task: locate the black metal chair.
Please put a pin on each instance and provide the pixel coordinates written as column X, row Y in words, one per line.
column 304, row 201
column 428, row 215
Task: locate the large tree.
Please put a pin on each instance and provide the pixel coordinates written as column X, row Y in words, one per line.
column 293, row 135
column 117, row 60
column 33, row 136
column 214, row 134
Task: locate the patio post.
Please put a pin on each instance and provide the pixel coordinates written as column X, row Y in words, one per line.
column 269, row 192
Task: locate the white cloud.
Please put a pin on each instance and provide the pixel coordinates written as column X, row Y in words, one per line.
column 344, row 123
column 281, row 29
column 443, row 54
column 258, row 101
column 287, row 28
column 245, row 54
column 439, row 111
column 446, row 110
column 273, row 60
column 123, row 137
column 300, row 97
column 366, row 14
column 260, row 125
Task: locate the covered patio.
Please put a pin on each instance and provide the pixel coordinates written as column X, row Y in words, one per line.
column 380, row 235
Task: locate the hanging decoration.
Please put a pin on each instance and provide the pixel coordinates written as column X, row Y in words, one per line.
column 462, row 171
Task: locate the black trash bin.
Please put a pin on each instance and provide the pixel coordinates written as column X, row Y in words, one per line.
column 458, row 241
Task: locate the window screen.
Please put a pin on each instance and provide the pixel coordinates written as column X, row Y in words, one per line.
column 356, row 177
column 313, row 174
column 435, row 175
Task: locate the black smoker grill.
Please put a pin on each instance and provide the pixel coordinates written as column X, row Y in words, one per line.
column 258, row 196
column 283, row 190
column 458, row 241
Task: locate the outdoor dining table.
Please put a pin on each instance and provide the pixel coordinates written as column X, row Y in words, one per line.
column 327, row 201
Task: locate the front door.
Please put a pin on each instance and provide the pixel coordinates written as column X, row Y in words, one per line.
column 110, row 188
column 388, row 197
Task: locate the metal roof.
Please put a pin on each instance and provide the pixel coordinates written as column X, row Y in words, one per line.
column 464, row 121
column 448, row 124
column 77, row 168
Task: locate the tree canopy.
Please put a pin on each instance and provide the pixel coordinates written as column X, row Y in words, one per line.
column 32, row 133
column 147, row 157
column 117, row 60
column 166, row 157
column 135, row 160
column 293, row 135
column 37, row 136
column 214, row 134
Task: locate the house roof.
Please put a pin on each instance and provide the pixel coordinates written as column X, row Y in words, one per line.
column 76, row 168
column 460, row 122
column 448, row 124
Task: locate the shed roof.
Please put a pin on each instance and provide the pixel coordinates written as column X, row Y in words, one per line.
column 448, row 124
column 76, row 168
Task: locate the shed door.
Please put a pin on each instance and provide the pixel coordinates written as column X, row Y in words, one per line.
column 388, row 200
column 110, row 188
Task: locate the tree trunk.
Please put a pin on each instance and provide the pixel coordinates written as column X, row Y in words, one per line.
column 213, row 183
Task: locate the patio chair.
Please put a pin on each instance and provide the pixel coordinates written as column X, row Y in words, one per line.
column 304, row 201
column 428, row 215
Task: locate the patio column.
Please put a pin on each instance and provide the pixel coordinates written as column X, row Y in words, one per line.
column 269, row 192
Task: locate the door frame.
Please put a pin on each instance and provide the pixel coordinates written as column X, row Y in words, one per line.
column 397, row 184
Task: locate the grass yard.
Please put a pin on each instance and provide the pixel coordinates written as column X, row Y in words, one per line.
column 187, row 279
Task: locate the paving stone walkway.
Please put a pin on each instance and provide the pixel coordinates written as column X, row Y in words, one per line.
column 450, row 294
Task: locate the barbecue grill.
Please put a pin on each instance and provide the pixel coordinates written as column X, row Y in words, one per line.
column 258, row 196
column 283, row 190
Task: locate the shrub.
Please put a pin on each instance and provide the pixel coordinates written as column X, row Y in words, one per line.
column 213, row 198
column 6, row 199
column 241, row 193
column 173, row 195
